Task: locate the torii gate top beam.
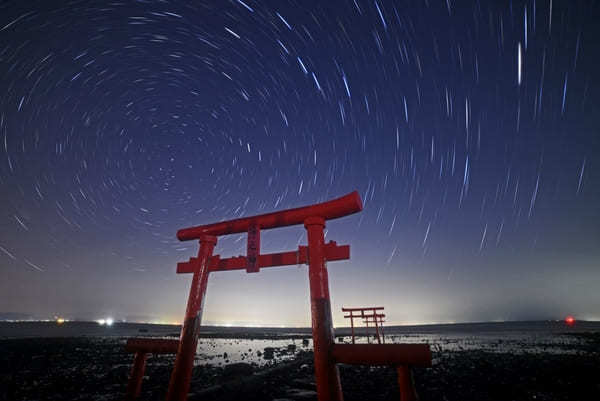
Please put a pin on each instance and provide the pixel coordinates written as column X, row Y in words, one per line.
column 333, row 209
column 368, row 308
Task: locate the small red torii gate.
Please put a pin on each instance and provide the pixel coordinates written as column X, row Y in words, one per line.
column 327, row 354
column 368, row 314
column 378, row 320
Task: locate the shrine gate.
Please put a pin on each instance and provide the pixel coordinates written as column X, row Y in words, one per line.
column 327, row 354
column 369, row 314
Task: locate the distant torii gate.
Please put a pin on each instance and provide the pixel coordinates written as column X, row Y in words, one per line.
column 377, row 319
column 326, row 353
column 368, row 314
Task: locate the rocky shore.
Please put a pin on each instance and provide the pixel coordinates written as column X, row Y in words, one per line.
column 96, row 368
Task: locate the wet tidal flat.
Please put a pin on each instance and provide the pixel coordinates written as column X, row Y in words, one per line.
column 525, row 366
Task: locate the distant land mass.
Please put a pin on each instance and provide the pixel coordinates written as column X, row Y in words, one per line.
column 120, row 329
column 84, row 317
column 15, row 316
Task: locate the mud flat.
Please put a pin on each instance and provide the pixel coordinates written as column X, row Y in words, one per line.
column 557, row 366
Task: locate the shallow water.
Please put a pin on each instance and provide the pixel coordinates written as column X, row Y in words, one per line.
column 500, row 342
column 224, row 351
column 512, row 337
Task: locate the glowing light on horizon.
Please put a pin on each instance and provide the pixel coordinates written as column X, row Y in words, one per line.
column 108, row 321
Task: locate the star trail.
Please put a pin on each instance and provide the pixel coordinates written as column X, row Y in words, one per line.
column 470, row 129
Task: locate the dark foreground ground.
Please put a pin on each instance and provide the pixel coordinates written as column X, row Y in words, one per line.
column 91, row 368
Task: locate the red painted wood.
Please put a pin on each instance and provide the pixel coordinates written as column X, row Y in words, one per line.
column 134, row 387
column 363, row 309
column 253, row 249
column 406, row 384
column 333, row 252
column 181, row 376
column 373, row 317
column 329, row 210
column 383, row 354
column 327, row 375
column 326, row 353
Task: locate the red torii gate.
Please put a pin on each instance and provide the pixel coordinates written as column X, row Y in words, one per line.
column 326, row 353
column 376, row 318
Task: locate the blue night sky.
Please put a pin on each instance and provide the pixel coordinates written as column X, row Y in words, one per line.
column 470, row 129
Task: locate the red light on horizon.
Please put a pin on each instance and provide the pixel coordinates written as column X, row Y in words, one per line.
column 570, row 320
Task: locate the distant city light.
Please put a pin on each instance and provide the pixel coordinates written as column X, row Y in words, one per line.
column 60, row 320
column 570, row 320
column 162, row 322
column 108, row 321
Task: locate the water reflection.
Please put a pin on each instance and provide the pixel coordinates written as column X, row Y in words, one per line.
column 500, row 342
column 260, row 352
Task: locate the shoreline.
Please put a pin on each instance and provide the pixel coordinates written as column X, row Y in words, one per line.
column 97, row 368
column 49, row 329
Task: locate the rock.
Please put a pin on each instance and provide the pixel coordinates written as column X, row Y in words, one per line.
column 299, row 395
column 238, row 369
column 269, row 351
column 305, row 384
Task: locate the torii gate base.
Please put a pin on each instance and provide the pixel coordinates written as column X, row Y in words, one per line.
column 327, row 354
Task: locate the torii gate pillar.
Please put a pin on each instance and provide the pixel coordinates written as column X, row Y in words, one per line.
column 179, row 384
column 326, row 371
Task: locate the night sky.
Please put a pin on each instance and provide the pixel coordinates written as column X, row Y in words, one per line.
column 470, row 129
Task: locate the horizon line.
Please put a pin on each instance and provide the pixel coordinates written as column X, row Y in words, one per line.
column 161, row 323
